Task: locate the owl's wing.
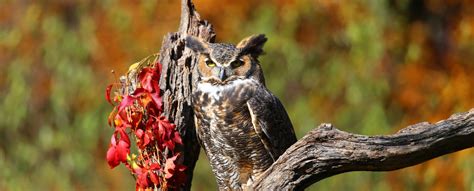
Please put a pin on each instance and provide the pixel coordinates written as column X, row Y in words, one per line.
column 271, row 122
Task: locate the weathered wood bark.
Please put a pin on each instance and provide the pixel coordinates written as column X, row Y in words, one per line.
column 326, row 151
column 177, row 80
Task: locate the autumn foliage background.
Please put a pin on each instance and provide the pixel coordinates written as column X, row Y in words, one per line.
column 369, row 67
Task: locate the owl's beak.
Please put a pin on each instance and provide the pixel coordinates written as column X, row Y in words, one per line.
column 222, row 74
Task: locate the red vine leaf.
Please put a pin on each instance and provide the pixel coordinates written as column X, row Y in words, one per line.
column 149, row 79
column 170, row 167
column 107, row 94
column 140, row 113
column 153, row 176
column 127, row 101
column 143, row 181
column 118, row 151
column 177, row 138
column 110, row 119
column 143, row 138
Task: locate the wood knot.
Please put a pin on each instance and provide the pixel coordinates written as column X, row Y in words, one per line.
column 326, row 127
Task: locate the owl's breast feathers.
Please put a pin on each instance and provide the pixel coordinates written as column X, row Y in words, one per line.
column 242, row 127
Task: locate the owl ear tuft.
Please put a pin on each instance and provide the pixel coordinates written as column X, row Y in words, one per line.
column 252, row 45
column 196, row 44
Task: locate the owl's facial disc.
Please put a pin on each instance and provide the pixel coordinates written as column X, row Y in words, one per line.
column 221, row 63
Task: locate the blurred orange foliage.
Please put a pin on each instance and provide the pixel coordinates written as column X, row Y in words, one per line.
column 369, row 67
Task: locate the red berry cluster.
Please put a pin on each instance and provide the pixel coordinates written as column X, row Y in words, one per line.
column 138, row 115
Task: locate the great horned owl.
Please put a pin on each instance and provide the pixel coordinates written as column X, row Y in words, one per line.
column 242, row 127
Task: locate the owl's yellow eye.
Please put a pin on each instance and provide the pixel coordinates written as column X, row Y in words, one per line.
column 236, row 63
column 210, row 63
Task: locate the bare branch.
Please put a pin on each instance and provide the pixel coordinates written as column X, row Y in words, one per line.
column 327, row 151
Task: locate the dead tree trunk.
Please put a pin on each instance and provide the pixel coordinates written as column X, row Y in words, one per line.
column 177, row 80
column 323, row 152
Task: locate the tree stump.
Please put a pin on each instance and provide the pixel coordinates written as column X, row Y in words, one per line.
column 177, row 80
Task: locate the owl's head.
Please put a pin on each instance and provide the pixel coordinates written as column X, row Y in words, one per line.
column 220, row 63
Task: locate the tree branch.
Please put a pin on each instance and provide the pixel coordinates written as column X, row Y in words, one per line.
column 327, row 151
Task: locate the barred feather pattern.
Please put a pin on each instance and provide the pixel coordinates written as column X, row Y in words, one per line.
column 242, row 127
